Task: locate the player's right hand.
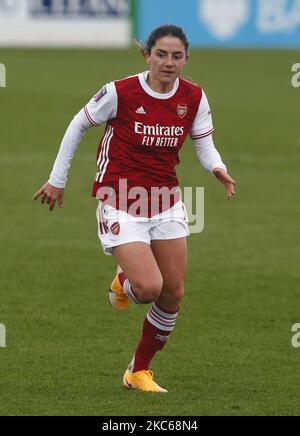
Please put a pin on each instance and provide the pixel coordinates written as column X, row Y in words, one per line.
column 50, row 195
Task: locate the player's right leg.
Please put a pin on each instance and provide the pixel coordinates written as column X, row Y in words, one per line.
column 139, row 280
column 116, row 294
column 129, row 241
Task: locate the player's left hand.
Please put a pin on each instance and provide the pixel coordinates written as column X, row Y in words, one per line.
column 227, row 180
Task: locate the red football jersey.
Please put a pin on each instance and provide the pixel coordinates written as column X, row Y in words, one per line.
column 141, row 143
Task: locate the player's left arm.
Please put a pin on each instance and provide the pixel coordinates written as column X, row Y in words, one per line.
column 211, row 160
column 227, row 180
column 208, row 155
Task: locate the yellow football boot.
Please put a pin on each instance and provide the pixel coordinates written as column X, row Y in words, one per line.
column 116, row 295
column 142, row 381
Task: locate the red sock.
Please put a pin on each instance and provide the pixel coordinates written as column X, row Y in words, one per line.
column 122, row 278
column 153, row 338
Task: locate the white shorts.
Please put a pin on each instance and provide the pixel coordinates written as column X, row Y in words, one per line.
column 116, row 227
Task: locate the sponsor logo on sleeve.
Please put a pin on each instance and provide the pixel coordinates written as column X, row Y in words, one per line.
column 100, row 94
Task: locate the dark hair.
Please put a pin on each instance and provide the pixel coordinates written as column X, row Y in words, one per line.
column 160, row 32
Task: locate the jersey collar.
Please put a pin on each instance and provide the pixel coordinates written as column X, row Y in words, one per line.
column 143, row 81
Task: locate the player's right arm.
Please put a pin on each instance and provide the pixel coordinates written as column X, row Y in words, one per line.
column 50, row 194
column 101, row 108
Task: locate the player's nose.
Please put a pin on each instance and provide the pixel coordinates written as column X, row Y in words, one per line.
column 169, row 61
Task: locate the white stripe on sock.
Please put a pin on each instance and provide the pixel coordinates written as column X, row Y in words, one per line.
column 131, row 364
column 160, row 319
column 164, row 314
column 129, row 293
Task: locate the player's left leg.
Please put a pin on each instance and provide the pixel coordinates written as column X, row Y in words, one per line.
column 171, row 258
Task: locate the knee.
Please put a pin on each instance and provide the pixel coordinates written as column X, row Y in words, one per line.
column 174, row 293
column 148, row 292
column 178, row 294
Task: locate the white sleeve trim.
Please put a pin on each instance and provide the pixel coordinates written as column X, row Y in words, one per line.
column 69, row 145
column 208, row 155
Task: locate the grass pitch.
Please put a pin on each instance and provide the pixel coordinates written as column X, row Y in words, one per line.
column 231, row 351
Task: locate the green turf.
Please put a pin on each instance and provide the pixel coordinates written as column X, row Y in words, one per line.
column 231, row 352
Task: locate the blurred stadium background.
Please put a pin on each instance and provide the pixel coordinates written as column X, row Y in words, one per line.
column 231, row 352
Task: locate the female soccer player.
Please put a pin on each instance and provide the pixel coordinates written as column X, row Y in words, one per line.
column 148, row 117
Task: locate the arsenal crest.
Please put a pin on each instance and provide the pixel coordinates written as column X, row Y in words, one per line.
column 182, row 110
column 115, row 228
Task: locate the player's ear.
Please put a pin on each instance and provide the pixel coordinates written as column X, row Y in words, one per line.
column 147, row 57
